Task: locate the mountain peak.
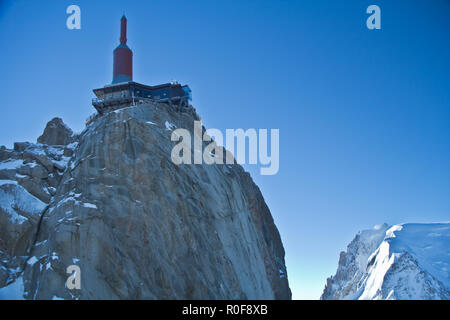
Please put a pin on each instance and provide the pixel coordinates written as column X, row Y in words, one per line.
column 56, row 133
column 405, row 261
column 137, row 225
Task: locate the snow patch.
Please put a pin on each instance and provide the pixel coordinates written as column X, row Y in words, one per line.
column 32, row 260
column 14, row 291
column 169, row 126
column 6, row 182
column 11, row 164
column 90, row 205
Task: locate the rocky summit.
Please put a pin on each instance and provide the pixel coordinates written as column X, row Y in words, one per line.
column 111, row 202
column 409, row 261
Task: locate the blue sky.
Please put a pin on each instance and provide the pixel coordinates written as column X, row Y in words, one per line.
column 363, row 115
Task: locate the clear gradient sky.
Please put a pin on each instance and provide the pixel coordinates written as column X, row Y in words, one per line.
column 364, row 115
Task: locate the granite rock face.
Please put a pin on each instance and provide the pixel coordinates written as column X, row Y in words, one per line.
column 137, row 225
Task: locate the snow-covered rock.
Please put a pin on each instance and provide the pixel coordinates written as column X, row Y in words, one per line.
column 407, row 261
column 29, row 176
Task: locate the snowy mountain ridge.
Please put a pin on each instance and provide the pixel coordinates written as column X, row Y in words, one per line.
column 405, row 261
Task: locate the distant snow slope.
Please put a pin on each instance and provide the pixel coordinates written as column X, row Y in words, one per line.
column 407, row 261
